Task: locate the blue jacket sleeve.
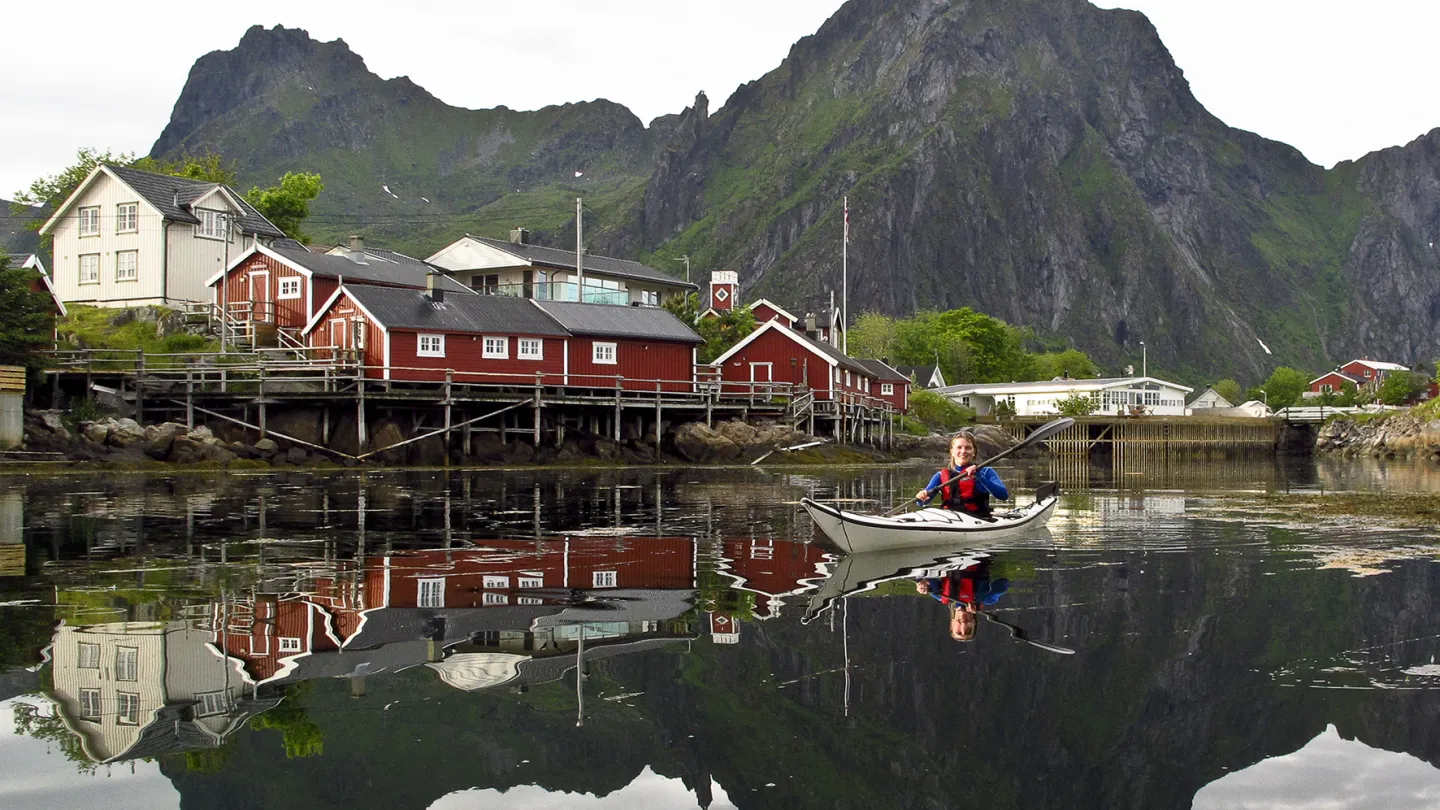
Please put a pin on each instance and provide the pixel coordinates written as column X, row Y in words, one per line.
column 934, row 484
column 989, row 480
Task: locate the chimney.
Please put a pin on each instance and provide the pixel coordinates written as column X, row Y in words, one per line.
column 357, row 243
column 433, row 290
column 724, row 286
column 519, row 236
column 810, row 324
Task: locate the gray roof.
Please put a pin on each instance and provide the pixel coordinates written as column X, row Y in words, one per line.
column 921, row 374
column 565, row 259
column 461, row 311
column 18, row 259
column 375, row 269
column 607, row 320
column 882, row 371
column 174, row 195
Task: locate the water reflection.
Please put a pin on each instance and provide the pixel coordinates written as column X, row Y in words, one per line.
column 678, row 638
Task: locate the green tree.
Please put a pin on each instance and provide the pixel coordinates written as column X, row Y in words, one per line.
column 874, row 335
column 939, row 412
column 1400, row 387
column 720, row 333
column 1230, row 390
column 1071, row 362
column 1078, row 405
column 27, row 319
column 970, row 346
column 301, row 736
column 287, row 205
column 1284, row 387
column 30, row 722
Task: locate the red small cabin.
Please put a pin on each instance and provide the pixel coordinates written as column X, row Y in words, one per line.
column 1334, row 382
column 890, row 385
column 1368, row 371
column 774, row 353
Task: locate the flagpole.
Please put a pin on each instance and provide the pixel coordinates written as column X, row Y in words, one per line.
column 845, row 283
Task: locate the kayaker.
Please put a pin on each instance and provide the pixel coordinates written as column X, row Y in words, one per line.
column 965, row 592
column 962, row 486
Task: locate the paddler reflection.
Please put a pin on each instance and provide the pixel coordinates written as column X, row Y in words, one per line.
column 965, row 590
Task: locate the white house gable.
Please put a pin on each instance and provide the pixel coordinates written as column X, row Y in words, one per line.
column 468, row 254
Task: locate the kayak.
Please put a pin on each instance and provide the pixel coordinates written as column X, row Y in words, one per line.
column 857, row 573
column 854, row 533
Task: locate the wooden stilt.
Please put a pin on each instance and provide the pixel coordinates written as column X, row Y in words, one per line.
column 362, row 440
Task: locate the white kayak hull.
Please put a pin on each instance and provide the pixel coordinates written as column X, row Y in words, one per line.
column 855, row 533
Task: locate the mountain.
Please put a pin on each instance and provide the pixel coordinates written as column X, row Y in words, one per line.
column 1043, row 161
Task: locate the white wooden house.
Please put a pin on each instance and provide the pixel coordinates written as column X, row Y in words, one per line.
column 127, row 237
column 1115, row 395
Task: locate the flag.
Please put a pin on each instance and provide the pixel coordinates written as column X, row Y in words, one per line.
column 847, row 219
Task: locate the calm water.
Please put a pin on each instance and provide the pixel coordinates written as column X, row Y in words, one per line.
column 1178, row 637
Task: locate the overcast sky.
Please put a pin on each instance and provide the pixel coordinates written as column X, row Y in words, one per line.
column 1335, row 79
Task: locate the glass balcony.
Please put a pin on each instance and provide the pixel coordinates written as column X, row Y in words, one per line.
column 562, row 291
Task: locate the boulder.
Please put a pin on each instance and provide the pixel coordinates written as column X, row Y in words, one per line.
column 739, row 433
column 96, row 432
column 54, row 423
column 200, row 433
column 185, row 450
column 160, row 446
column 698, row 443
column 266, row 448
column 297, row 455
column 125, row 432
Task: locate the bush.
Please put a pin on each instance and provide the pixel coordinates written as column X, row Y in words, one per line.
column 939, row 412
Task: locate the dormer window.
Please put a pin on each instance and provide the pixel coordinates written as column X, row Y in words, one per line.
column 212, row 224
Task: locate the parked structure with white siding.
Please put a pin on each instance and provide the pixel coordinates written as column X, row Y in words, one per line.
column 1116, row 395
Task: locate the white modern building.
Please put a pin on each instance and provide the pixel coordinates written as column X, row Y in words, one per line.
column 1114, row 395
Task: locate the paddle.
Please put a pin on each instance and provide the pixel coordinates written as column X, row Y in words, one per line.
column 1018, row 632
column 1040, row 434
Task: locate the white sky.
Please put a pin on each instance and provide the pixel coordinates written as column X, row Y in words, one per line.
column 1335, row 79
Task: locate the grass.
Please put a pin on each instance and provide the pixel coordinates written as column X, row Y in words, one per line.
column 92, row 328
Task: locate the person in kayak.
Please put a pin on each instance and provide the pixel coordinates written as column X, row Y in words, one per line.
column 962, row 486
column 966, row 592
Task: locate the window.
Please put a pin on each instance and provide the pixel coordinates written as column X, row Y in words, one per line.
column 357, row 331
column 489, row 598
column 289, row 644
column 603, row 579
column 604, row 353
column 1327, row 388
column 90, row 220
column 650, row 298
column 528, row 600
column 126, row 217
column 212, row 224
column 431, row 346
column 497, row 582
column 532, row 349
column 847, row 378
column 497, row 348
column 721, row 295
column 126, row 661
column 887, row 389
column 289, row 288
column 90, row 268
column 212, row 703
column 432, row 593
column 487, row 284
column 531, row 582
column 126, row 265
column 90, row 704
column 127, row 708
column 89, row 656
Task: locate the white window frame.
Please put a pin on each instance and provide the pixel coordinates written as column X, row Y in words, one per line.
column 89, row 218
column 211, row 704
column 430, row 593
column 530, row 582
column 134, row 268
column 491, row 598
column 437, row 349
column 603, row 579
column 93, row 276
column 213, row 224
column 127, row 708
column 90, row 707
column 493, row 581
column 127, row 217
column 290, row 644
column 127, row 664
column 495, row 348
column 357, row 333
column 289, row 288
column 530, row 349
column 87, row 656
column 887, row 389
column 529, row 600
column 604, row 354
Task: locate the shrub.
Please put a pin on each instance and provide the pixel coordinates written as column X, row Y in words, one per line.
column 939, row 412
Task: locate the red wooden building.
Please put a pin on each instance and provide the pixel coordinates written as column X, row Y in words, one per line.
column 773, row 570
column 417, row 335
column 284, row 284
column 767, row 310
column 1334, row 382
column 776, row 354
column 890, row 385
column 40, row 282
column 1370, row 371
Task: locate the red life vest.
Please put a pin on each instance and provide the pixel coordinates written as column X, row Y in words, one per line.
column 963, row 495
column 958, row 589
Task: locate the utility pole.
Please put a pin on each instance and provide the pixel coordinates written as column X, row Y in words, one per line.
column 686, row 260
column 1144, row 361
column 579, row 255
column 225, row 287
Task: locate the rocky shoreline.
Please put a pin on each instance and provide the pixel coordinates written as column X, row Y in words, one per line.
column 112, row 442
column 1397, row 435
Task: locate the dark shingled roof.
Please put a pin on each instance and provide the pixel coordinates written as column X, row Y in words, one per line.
column 607, row 320
column 409, row 274
column 164, row 191
column 460, row 312
column 565, row 259
column 882, row 371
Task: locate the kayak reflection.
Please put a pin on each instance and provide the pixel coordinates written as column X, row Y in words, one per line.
column 965, row 589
